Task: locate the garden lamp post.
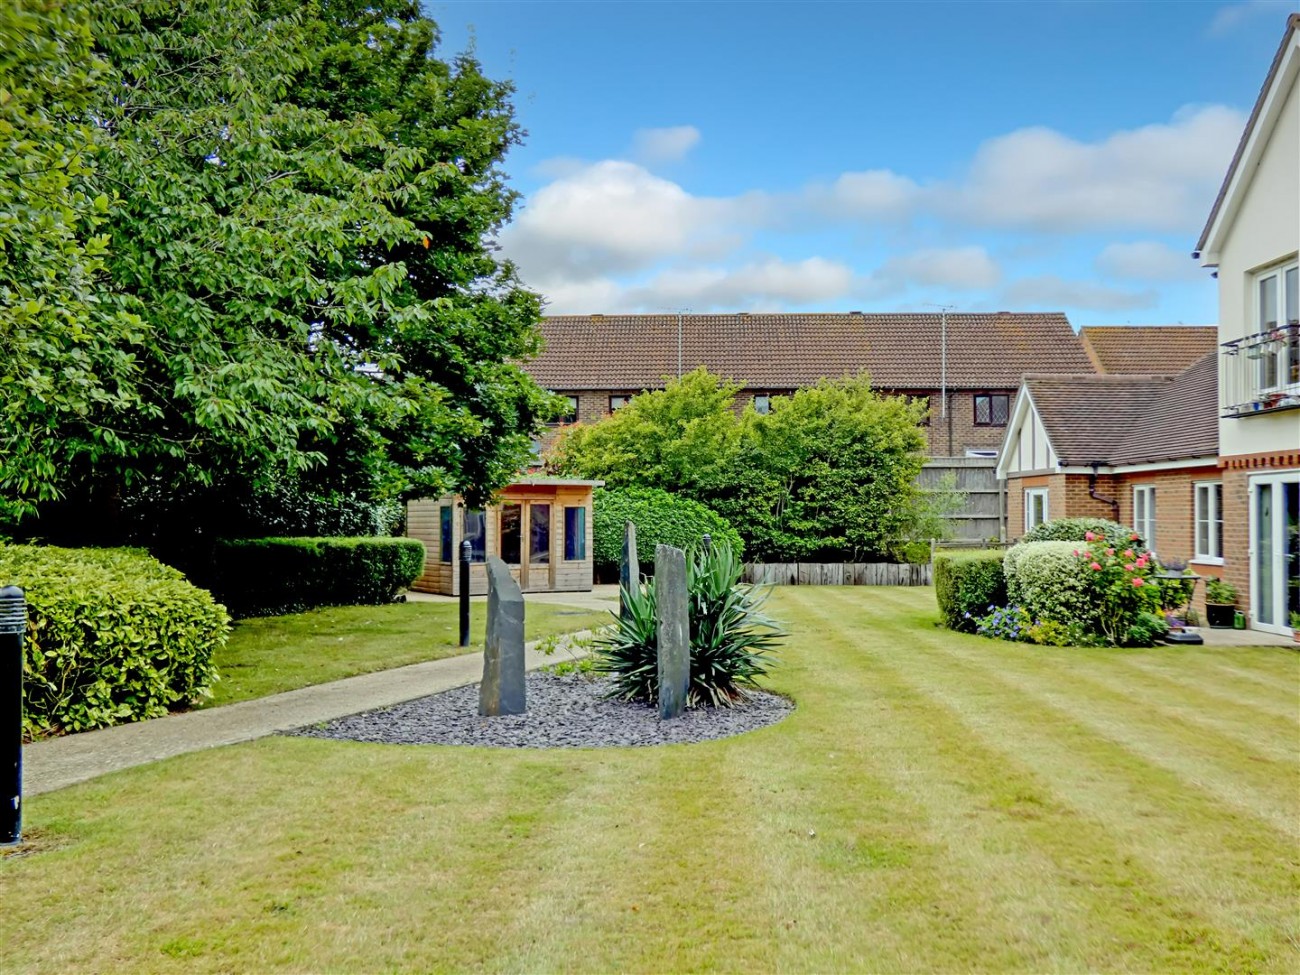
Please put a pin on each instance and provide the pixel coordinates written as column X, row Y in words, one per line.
column 466, row 551
column 13, row 625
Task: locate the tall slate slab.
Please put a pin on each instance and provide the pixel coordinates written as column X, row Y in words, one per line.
column 629, row 570
column 502, row 690
column 672, row 630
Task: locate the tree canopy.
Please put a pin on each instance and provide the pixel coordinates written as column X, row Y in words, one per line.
column 274, row 225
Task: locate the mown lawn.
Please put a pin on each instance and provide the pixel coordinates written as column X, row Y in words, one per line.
column 267, row 655
column 936, row 803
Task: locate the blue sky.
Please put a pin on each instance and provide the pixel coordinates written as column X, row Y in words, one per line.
column 875, row 156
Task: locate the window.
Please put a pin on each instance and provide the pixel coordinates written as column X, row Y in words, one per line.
column 1035, row 507
column 1144, row 513
column 476, row 535
column 992, row 409
column 535, row 453
column 763, row 403
column 928, row 403
column 1209, row 522
column 618, row 402
column 981, row 452
column 444, row 532
column 575, row 533
column 539, row 534
column 572, row 415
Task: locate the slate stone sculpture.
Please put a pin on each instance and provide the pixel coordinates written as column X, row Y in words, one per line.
column 502, row 690
column 673, row 630
column 629, row 571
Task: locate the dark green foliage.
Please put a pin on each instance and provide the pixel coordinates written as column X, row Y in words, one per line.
column 1145, row 630
column 660, row 519
column 1076, row 530
column 731, row 637
column 113, row 636
column 966, row 584
column 1219, row 592
column 273, row 576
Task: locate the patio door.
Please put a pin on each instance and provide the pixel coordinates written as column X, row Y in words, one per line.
column 526, row 543
column 1274, row 550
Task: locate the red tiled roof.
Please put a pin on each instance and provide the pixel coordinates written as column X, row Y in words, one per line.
column 786, row 351
column 1117, row 420
column 1147, row 350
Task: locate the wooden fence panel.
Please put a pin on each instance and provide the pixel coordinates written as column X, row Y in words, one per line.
column 836, row 574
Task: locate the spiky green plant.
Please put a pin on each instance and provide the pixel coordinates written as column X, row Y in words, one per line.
column 731, row 636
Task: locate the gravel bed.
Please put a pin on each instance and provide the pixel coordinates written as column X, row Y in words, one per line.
column 563, row 712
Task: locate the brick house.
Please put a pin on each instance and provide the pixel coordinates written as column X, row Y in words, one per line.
column 967, row 365
column 1252, row 239
column 1140, row 450
column 1147, row 350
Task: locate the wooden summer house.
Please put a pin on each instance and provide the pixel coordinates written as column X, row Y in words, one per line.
column 540, row 527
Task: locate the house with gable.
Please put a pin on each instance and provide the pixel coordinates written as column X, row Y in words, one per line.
column 1252, row 239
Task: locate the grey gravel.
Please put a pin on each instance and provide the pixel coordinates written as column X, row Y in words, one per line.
column 568, row 711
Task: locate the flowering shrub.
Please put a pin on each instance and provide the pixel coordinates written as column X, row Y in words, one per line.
column 1003, row 623
column 1122, row 590
column 1077, row 529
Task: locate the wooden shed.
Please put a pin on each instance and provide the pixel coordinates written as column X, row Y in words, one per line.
column 540, row 527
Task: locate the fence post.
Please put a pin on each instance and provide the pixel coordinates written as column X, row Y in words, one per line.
column 13, row 626
column 466, row 550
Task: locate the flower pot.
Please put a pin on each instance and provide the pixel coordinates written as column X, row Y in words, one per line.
column 1220, row 615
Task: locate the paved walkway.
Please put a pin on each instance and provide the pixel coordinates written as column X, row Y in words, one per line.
column 59, row 762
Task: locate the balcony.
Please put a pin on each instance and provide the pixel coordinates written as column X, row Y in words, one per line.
column 1260, row 373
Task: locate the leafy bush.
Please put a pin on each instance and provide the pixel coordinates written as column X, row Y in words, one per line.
column 966, row 584
column 1049, row 581
column 113, row 635
column 271, row 576
column 1220, row 592
column 1077, row 529
column 730, row 635
column 1004, row 623
column 660, row 519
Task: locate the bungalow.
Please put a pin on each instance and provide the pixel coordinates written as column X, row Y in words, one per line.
column 968, row 366
column 1252, row 238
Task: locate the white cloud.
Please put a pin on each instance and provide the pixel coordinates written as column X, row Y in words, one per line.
column 1050, row 292
column 1231, row 16
column 1148, row 260
column 1157, row 177
column 872, row 194
column 958, row 268
column 664, row 145
column 768, row 284
column 615, row 216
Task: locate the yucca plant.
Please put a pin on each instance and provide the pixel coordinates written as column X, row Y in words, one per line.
column 731, row 636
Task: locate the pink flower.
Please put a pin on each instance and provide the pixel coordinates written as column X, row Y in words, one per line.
column 1110, row 551
column 1076, row 551
column 1089, row 537
column 1141, row 562
column 1096, row 566
column 1129, row 567
column 1133, row 537
column 1137, row 581
column 1128, row 553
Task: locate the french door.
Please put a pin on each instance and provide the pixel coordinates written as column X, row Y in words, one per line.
column 1275, row 550
column 526, row 543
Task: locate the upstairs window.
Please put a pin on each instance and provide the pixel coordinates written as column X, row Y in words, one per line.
column 763, row 403
column 1277, row 319
column 572, row 415
column 618, row 402
column 992, row 409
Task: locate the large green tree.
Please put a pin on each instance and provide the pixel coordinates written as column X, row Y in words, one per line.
column 298, row 205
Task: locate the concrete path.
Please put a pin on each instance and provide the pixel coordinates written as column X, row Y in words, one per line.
column 59, row 762
column 600, row 597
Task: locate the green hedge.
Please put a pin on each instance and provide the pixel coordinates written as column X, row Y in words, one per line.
column 272, row 576
column 1076, row 530
column 1050, row 582
column 966, row 584
column 113, row 635
column 660, row 518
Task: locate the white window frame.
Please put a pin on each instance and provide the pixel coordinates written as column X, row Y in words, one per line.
column 1274, row 367
column 1032, row 495
column 762, row 403
column 1207, row 510
column 618, row 402
column 1144, row 513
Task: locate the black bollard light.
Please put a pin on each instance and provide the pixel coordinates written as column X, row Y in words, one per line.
column 707, row 543
column 13, row 626
column 466, row 550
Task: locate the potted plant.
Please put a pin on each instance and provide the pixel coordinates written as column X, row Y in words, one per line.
column 1220, row 603
column 1295, row 626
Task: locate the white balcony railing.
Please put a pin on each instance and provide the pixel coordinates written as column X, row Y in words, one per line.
column 1260, row 373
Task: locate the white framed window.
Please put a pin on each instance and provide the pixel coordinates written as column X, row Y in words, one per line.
column 762, row 403
column 618, row 402
column 1144, row 513
column 1208, row 520
column 1277, row 315
column 1035, row 507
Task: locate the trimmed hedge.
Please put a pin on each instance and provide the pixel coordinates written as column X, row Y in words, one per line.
column 968, row 582
column 1074, row 530
column 113, row 635
column 273, row 576
column 660, row 518
column 1050, row 582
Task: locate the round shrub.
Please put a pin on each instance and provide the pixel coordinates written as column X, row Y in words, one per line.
column 1049, row 582
column 966, row 584
column 660, row 518
column 113, row 635
column 1077, row 529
